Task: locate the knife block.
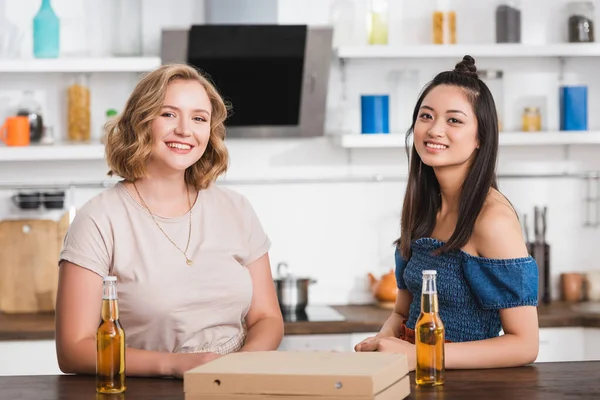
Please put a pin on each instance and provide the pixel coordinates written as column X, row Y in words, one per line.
column 541, row 254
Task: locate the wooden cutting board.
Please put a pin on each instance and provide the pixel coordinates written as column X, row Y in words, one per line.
column 29, row 250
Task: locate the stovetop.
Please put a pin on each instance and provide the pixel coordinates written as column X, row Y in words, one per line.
column 314, row 313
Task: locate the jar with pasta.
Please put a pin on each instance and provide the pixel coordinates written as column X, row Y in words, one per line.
column 532, row 119
column 444, row 23
column 78, row 110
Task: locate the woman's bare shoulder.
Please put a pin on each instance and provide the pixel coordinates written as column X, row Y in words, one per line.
column 497, row 232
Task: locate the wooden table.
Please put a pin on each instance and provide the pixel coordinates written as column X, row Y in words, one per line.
column 550, row 381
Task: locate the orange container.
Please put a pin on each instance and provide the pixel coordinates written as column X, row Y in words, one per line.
column 15, row 131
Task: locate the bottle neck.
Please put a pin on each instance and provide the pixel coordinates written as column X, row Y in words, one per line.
column 109, row 291
column 429, row 298
column 46, row 5
column 110, row 307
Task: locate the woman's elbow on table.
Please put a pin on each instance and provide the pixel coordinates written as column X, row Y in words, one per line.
column 531, row 350
column 67, row 361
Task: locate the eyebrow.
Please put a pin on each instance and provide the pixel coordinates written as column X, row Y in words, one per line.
column 448, row 111
column 177, row 109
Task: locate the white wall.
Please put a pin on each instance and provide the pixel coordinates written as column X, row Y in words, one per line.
column 337, row 231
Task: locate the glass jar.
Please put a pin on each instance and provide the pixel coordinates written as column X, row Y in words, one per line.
column 377, row 22
column 494, row 81
column 581, row 21
column 532, row 119
column 508, row 22
column 127, row 28
column 30, row 108
column 342, row 18
column 444, row 23
column 78, row 111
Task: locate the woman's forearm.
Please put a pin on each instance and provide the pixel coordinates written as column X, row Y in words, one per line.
column 391, row 327
column 503, row 351
column 265, row 334
column 81, row 359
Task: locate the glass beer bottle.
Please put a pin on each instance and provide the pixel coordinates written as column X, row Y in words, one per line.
column 110, row 342
column 429, row 336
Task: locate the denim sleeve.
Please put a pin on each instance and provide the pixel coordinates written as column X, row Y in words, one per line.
column 400, row 265
column 506, row 283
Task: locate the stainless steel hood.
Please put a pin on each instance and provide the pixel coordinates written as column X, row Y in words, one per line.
column 274, row 76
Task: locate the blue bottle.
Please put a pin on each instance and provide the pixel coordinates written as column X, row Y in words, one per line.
column 46, row 32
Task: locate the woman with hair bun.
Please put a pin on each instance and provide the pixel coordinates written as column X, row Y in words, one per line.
column 191, row 258
column 455, row 221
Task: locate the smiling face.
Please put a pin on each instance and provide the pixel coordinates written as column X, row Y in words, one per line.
column 445, row 132
column 181, row 131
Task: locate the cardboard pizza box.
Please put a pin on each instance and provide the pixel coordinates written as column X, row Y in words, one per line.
column 266, row 374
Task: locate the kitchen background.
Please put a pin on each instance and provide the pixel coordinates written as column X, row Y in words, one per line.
column 330, row 204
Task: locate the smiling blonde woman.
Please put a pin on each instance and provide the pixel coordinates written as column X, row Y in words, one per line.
column 191, row 258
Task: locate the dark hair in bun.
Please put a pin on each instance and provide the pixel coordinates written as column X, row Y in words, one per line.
column 422, row 200
column 466, row 67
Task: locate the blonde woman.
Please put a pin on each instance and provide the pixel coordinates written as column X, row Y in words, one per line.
column 191, row 258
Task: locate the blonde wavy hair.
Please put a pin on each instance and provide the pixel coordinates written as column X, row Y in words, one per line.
column 129, row 136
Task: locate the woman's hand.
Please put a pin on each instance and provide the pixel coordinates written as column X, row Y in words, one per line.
column 367, row 344
column 179, row 363
column 390, row 344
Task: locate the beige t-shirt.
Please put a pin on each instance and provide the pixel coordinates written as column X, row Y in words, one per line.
column 165, row 304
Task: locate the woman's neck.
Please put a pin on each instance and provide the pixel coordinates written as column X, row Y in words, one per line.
column 450, row 180
column 164, row 195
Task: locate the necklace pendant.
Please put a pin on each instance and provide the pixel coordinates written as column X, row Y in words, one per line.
column 188, row 261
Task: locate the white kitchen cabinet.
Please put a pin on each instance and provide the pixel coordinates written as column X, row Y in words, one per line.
column 328, row 342
column 28, row 357
column 556, row 344
column 592, row 344
column 561, row 344
column 38, row 357
column 356, row 338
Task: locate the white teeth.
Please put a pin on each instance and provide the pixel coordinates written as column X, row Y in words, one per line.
column 179, row 146
column 436, row 146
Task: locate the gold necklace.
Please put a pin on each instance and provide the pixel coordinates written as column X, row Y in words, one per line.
column 187, row 260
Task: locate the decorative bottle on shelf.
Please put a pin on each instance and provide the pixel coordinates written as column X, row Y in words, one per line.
column 46, row 32
column 377, row 22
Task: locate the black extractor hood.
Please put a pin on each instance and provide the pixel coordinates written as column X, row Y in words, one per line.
column 275, row 77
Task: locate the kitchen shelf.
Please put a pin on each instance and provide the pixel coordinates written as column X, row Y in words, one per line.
column 475, row 50
column 396, row 140
column 88, row 64
column 55, row 152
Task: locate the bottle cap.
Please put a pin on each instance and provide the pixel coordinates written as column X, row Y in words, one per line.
column 110, row 278
column 429, row 272
column 111, row 112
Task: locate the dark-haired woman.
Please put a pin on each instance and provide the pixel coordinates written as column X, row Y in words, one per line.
column 455, row 221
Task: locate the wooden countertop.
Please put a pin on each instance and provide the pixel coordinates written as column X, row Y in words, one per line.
column 547, row 381
column 359, row 318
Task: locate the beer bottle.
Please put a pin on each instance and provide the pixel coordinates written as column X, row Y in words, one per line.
column 110, row 342
column 429, row 336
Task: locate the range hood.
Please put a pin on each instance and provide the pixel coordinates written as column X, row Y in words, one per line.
column 275, row 77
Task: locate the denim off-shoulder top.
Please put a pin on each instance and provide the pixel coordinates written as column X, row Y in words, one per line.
column 471, row 290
